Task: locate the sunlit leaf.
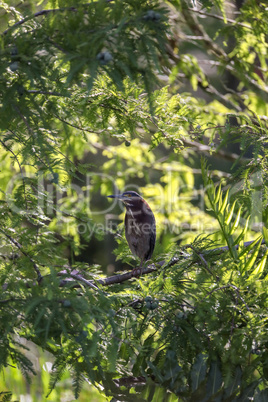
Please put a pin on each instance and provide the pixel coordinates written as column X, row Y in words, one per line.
column 230, row 214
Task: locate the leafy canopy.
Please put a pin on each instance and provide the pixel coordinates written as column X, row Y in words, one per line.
column 114, row 94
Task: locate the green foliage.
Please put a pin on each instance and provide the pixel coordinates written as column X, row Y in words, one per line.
column 106, row 95
column 5, row 396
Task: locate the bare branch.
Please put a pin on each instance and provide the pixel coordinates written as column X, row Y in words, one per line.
column 111, row 280
column 219, row 17
column 206, row 149
column 75, row 275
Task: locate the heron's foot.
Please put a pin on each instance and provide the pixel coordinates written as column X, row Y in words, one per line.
column 137, row 272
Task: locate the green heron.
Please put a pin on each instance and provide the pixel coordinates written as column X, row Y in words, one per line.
column 139, row 225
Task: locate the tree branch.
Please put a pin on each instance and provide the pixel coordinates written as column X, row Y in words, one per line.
column 75, row 275
column 110, row 280
column 136, row 273
column 71, row 275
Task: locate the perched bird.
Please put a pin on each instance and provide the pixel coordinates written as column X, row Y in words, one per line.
column 139, row 225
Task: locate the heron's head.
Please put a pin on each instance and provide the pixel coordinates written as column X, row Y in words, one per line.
column 129, row 198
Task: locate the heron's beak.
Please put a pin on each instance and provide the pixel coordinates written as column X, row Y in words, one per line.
column 120, row 196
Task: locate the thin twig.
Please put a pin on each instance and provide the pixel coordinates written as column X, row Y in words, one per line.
column 19, row 246
column 77, row 127
column 38, row 14
column 219, row 17
column 239, row 296
column 207, row 87
column 201, row 147
column 130, row 381
column 228, row 286
column 45, row 13
column 206, row 149
column 199, row 30
column 80, row 278
column 22, row 175
column 31, row 132
column 226, row 248
column 250, row 81
column 37, row 92
column 201, row 257
column 23, row 118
